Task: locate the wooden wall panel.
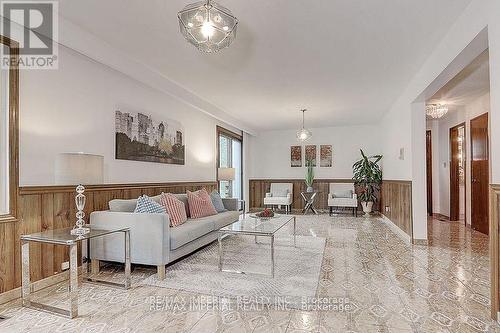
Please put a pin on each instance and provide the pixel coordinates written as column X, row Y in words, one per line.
column 47, row 207
column 397, row 196
column 495, row 249
column 259, row 188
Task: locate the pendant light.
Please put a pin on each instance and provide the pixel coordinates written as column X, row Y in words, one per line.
column 303, row 134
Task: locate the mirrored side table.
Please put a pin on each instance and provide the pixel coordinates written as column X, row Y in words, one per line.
column 309, row 198
column 64, row 237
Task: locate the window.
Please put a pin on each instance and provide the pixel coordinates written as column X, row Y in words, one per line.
column 9, row 133
column 230, row 152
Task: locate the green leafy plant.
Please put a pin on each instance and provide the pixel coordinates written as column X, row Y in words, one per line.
column 367, row 174
column 309, row 173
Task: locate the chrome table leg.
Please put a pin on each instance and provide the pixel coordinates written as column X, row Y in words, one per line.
column 73, row 280
column 25, row 267
column 127, row 259
column 219, row 240
column 272, row 256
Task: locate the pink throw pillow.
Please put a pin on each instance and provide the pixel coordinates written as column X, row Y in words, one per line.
column 200, row 204
column 175, row 209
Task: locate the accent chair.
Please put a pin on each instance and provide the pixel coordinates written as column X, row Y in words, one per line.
column 281, row 194
column 342, row 195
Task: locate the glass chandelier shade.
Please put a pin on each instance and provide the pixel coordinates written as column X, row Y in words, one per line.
column 207, row 25
column 303, row 134
column 436, row 111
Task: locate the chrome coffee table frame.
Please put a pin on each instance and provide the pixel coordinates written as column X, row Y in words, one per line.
column 224, row 232
column 63, row 237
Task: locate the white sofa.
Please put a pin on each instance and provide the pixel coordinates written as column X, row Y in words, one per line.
column 152, row 240
column 342, row 195
column 280, row 194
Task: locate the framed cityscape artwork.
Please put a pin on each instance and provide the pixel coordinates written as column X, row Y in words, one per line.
column 141, row 137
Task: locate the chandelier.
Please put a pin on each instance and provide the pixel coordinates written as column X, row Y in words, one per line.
column 436, row 111
column 207, row 25
column 303, row 134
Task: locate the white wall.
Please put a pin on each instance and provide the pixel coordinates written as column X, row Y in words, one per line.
column 72, row 109
column 402, row 129
column 270, row 151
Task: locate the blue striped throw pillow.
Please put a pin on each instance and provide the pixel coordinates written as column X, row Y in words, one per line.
column 146, row 205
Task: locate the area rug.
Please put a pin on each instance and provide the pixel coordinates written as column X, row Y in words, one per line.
column 297, row 270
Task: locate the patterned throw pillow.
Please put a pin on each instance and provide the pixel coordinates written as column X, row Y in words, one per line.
column 146, row 205
column 175, row 209
column 217, row 201
column 200, row 204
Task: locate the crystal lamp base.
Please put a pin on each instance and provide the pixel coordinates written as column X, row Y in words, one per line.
column 80, row 231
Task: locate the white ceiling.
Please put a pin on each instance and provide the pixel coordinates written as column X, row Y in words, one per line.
column 468, row 85
column 345, row 60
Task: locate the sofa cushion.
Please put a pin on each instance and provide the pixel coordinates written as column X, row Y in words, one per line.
column 128, row 205
column 175, row 209
column 146, row 205
column 120, row 205
column 200, row 204
column 217, row 202
column 183, row 197
column 189, row 231
column 222, row 219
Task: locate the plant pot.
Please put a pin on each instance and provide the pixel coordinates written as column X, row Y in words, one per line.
column 367, row 207
column 310, row 189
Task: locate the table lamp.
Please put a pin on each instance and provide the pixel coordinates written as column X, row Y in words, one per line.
column 79, row 168
column 226, row 174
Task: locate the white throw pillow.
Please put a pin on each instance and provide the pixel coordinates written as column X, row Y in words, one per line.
column 342, row 194
column 280, row 193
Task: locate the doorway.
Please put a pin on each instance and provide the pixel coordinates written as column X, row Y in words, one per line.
column 480, row 174
column 457, row 173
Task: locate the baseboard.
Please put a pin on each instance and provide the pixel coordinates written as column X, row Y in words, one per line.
column 424, row 242
column 440, row 216
column 396, row 229
column 36, row 286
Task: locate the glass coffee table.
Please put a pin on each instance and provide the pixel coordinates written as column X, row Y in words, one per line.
column 64, row 237
column 251, row 226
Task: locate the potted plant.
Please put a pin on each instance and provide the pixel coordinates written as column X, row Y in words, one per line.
column 367, row 174
column 309, row 176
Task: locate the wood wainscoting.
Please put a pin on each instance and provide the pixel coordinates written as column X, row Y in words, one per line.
column 42, row 208
column 396, row 195
column 259, row 188
column 495, row 249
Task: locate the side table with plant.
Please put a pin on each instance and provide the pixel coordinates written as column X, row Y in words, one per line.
column 309, row 176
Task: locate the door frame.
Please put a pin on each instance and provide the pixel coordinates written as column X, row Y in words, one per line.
column 430, row 197
column 455, row 183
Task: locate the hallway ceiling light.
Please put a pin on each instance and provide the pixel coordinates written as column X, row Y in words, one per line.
column 436, row 111
column 303, row 134
column 207, row 25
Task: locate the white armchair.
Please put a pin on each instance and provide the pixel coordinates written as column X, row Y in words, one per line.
column 281, row 194
column 342, row 195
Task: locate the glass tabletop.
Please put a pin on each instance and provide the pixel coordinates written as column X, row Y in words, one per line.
column 64, row 236
column 252, row 225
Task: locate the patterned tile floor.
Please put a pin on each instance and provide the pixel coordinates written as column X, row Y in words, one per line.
column 388, row 285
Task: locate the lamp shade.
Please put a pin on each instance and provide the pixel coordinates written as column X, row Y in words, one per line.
column 79, row 168
column 226, row 173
